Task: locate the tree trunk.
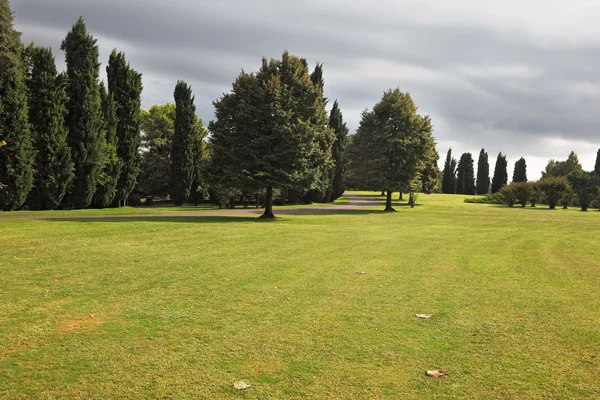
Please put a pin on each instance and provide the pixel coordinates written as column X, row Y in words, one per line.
column 400, row 197
column 383, row 192
column 388, row 202
column 268, row 214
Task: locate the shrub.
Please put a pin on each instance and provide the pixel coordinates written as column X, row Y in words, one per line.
column 135, row 200
column 490, row 198
column 509, row 194
column 554, row 188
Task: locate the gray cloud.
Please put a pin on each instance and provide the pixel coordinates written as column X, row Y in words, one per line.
column 505, row 76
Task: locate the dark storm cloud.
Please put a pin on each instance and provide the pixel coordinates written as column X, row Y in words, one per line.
column 487, row 81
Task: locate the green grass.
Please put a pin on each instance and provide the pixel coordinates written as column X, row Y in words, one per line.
column 185, row 306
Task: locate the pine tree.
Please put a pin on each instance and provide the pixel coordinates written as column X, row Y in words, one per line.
column 466, row 175
column 449, row 177
column 111, row 170
column 125, row 85
column 182, row 155
column 16, row 152
column 340, row 129
column 47, row 110
column 520, row 173
column 84, row 118
column 483, row 173
column 500, row 173
column 597, row 166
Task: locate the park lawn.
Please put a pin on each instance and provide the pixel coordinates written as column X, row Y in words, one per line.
column 183, row 307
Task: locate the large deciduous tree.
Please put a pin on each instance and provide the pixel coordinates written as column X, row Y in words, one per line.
column 500, row 173
column 125, row 85
column 392, row 145
column 16, row 152
column 562, row 168
column 271, row 131
column 466, row 175
column 520, row 172
column 84, row 118
column 554, row 188
column 585, row 186
column 47, row 110
column 449, row 176
column 483, row 173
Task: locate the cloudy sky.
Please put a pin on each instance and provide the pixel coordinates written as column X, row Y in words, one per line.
column 517, row 76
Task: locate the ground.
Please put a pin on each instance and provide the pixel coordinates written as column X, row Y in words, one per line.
column 319, row 304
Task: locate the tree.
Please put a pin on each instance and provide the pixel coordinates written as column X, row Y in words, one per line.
column 554, row 187
column 271, row 131
column 84, row 118
column 47, row 110
column 16, row 152
column 500, row 173
column 585, row 185
column 340, row 130
column 393, row 143
column 449, row 177
column 597, row 166
column 108, row 178
column 517, row 191
column 182, row 156
column 562, row 168
column 199, row 158
column 125, row 85
column 483, row 173
column 466, row 175
column 430, row 178
column 520, row 173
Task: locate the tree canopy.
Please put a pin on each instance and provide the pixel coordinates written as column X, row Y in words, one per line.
column 483, row 173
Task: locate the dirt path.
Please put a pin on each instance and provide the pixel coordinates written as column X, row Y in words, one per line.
column 356, row 202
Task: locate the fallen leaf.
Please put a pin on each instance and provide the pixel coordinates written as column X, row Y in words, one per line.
column 240, row 385
column 424, row 316
column 436, row 373
column 361, row 273
column 519, row 317
column 92, row 315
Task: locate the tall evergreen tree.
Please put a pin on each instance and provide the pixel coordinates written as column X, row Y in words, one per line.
column 430, row 175
column 483, row 173
column 520, row 173
column 500, row 173
column 109, row 176
column 466, row 175
column 182, row 155
column 16, row 152
column 340, row 129
column 47, row 110
column 84, row 118
column 125, row 85
column 597, row 166
column 449, row 177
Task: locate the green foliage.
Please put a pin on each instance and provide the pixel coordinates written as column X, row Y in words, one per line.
column 520, row 172
column 53, row 168
column 336, row 122
column 490, row 198
column 585, row 186
column 16, row 152
column 84, row 118
column 509, row 195
column 500, row 173
column 182, row 156
column 449, row 177
column 466, row 175
column 597, row 165
column 272, row 131
column 517, row 192
column 554, row 189
column 562, row 168
column 483, row 173
column 125, row 85
column 430, row 179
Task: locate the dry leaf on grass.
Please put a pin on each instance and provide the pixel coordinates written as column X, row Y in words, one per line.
column 361, row 273
column 424, row 316
column 436, row 373
column 241, row 385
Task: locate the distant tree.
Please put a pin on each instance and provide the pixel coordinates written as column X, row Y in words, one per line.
column 466, row 175
column 517, row 191
column 597, row 166
column 500, row 173
column 16, row 152
column 182, row 157
column 84, row 118
column 200, row 158
column 125, row 86
column 393, row 143
column 585, row 186
column 562, row 168
column 430, row 174
column 554, row 188
column 271, row 131
column 483, row 173
column 449, row 177
column 340, row 129
column 47, row 110
column 520, row 173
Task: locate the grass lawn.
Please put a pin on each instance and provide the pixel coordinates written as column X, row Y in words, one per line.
column 182, row 307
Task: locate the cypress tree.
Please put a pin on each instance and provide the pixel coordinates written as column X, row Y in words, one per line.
column 483, row 173
column 500, row 173
column 16, row 152
column 84, row 118
column 47, row 110
column 520, row 173
column 597, row 166
column 336, row 122
column 466, row 175
column 449, row 177
column 182, row 154
column 108, row 179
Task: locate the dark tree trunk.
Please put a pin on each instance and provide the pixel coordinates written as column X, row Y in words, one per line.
column 552, row 206
column 383, row 192
column 268, row 214
column 388, row 202
column 584, row 207
column 400, row 197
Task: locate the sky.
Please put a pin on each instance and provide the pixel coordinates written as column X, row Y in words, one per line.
column 521, row 77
